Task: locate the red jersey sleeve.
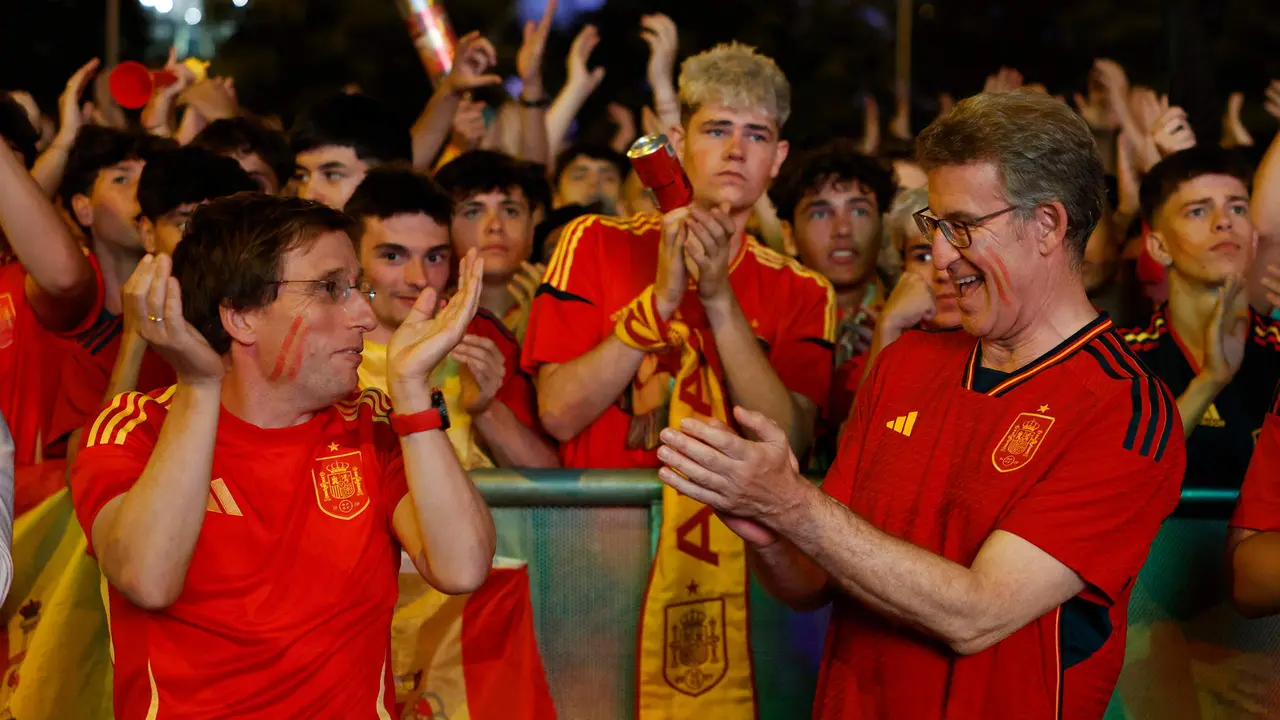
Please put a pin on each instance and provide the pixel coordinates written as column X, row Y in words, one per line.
column 517, row 391
column 567, row 319
column 1100, row 506
column 114, row 451
column 802, row 355
column 1259, row 504
column 90, row 318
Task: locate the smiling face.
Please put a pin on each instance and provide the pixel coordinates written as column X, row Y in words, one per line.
column 1001, row 278
column 729, row 155
column 308, row 342
column 917, row 257
column 1203, row 232
column 837, row 232
column 403, row 255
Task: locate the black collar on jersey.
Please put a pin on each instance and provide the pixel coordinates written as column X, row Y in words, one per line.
column 1064, row 350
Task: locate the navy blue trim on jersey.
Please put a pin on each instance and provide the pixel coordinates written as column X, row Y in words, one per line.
column 564, row 295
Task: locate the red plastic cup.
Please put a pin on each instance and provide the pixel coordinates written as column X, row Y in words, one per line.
column 132, row 83
column 658, row 168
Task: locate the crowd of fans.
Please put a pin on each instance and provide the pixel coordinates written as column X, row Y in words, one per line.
column 486, row 225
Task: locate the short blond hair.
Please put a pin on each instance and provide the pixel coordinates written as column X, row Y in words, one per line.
column 736, row 76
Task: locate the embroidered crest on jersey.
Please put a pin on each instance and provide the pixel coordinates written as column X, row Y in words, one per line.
column 8, row 318
column 1021, row 441
column 696, row 659
column 340, row 485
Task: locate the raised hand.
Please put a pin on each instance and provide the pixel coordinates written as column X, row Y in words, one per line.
column 1234, row 133
column 153, row 309
column 1223, row 340
column 214, row 98
column 71, row 114
column 650, row 123
column 660, row 34
column 468, row 124
column 708, row 246
column 532, row 49
column 1272, row 103
column 671, row 283
column 1172, row 132
column 624, row 122
column 576, row 64
column 1004, row 80
column 525, row 283
column 473, row 56
column 483, row 369
column 748, row 483
column 427, row 335
column 910, row 304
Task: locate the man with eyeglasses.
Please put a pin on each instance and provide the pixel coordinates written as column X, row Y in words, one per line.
column 994, row 498
column 250, row 519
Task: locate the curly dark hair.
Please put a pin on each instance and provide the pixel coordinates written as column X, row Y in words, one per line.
column 836, row 161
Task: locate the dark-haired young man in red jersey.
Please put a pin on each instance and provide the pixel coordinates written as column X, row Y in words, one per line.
column 993, row 499
column 250, row 519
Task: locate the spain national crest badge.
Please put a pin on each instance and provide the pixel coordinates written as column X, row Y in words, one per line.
column 695, row 644
column 340, row 485
column 1021, row 441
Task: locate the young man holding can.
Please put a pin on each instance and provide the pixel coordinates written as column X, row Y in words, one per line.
column 641, row 323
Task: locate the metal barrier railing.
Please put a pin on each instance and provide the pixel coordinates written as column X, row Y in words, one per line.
column 1189, row 654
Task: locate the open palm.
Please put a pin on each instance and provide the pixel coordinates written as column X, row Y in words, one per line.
column 428, row 334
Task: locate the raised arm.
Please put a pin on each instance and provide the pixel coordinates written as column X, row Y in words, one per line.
column 145, row 537
column 579, row 83
column 52, row 163
column 663, row 38
column 473, row 57
column 60, row 283
column 533, row 113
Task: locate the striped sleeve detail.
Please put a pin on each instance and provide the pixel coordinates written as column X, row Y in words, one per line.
column 377, row 401
column 126, row 412
column 1275, row 401
column 1152, row 411
column 1144, row 338
column 770, row 258
column 1266, row 332
column 562, row 260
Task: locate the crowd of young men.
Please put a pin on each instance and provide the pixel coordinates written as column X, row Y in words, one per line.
column 341, row 321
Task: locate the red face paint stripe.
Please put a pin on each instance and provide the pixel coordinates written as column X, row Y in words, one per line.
column 1004, row 278
column 296, row 364
column 278, row 370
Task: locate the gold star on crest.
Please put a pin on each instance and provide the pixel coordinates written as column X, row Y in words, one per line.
column 333, row 447
column 1044, row 408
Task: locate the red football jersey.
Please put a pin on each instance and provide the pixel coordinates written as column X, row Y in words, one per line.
column 601, row 264
column 1079, row 453
column 517, row 391
column 1259, row 505
column 286, row 608
column 86, row 371
column 30, row 356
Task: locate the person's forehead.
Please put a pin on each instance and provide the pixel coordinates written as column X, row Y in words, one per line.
column 586, row 161
column 328, row 154
column 329, row 250
column 496, row 197
column 964, row 188
column 718, row 113
column 129, row 165
column 414, row 231
column 1210, row 186
column 837, row 189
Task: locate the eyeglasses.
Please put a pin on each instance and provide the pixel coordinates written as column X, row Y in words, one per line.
column 335, row 289
column 958, row 233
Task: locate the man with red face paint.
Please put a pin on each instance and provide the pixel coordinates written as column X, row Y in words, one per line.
column 249, row 520
column 997, row 489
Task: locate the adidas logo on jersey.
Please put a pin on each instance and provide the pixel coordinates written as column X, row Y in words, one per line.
column 220, row 500
column 903, row 423
column 1211, row 418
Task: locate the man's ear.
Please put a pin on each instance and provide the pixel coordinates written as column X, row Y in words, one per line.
column 239, row 324
column 675, row 134
column 1158, row 248
column 1050, row 226
column 788, row 238
column 147, row 233
column 779, row 157
column 82, row 209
